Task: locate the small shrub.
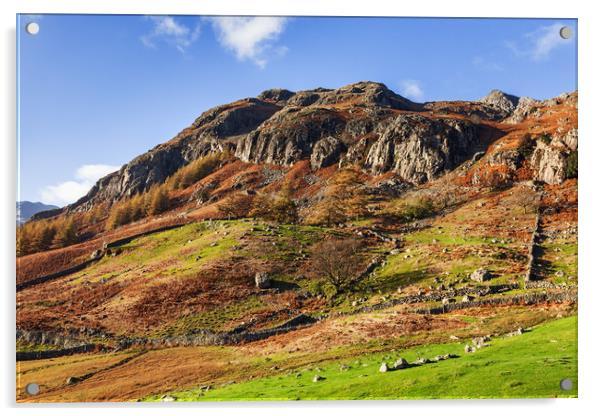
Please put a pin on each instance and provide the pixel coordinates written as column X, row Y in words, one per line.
column 422, row 208
column 571, row 165
column 546, row 138
column 526, row 148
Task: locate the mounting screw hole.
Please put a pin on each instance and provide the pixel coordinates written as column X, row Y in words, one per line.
column 32, row 28
column 566, row 32
column 32, row 389
column 566, row 384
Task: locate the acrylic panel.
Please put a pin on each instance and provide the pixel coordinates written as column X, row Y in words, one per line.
column 295, row 208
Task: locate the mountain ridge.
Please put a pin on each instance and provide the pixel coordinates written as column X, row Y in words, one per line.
column 363, row 123
column 27, row 209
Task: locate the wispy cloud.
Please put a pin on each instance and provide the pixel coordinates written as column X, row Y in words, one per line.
column 486, row 65
column 412, row 89
column 70, row 191
column 167, row 29
column 250, row 38
column 539, row 44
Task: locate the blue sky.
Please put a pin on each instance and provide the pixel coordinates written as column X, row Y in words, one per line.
column 96, row 91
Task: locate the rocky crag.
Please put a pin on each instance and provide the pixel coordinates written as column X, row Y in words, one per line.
column 363, row 124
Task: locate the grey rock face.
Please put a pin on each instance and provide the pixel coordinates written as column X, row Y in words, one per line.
column 523, row 109
column 549, row 160
column 418, row 148
column 326, row 152
column 289, row 136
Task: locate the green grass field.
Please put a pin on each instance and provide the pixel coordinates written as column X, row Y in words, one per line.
column 525, row 366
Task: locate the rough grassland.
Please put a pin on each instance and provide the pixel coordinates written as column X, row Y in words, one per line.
column 530, row 365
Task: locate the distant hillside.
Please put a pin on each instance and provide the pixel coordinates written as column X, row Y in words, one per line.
column 25, row 209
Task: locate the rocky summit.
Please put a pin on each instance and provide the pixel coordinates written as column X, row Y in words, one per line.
column 363, row 124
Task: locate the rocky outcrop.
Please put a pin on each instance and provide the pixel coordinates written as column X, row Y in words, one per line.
column 363, row 124
column 501, row 101
column 523, row 109
column 325, row 152
column 367, row 94
column 215, row 130
column 276, row 95
column 289, row 136
column 418, row 148
column 550, row 160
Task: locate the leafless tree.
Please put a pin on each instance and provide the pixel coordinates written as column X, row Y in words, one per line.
column 339, row 261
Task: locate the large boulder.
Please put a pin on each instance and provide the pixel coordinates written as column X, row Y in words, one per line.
column 400, row 364
column 481, row 275
column 263, row 280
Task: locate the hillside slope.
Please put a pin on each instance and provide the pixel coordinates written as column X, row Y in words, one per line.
column 304, row 230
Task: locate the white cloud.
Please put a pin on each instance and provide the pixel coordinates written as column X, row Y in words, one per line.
column 250, row 38
column 538, row 45
column 486, row 65
column 70, row 191
column 411, row 89
column 167, row 29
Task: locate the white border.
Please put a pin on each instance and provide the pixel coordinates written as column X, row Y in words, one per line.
column 590, row 184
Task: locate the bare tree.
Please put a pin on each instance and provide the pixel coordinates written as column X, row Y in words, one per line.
column 339, row 261
column 526, row 199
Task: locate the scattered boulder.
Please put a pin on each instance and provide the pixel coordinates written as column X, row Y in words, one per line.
column 96, row 254
column 481, row 342
column 401, row 364
column 317, row 378
column 168, row 398
column 481, row 275
column 72, row 380
column 469, row 349
column 383, row 368
column 263, row 280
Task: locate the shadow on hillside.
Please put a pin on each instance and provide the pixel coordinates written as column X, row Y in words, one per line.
column 283, row 286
